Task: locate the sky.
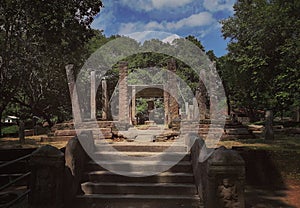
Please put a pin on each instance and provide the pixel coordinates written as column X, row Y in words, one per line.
column 199, row 18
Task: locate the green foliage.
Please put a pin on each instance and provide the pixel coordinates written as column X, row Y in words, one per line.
column 9, row 130
column 195, row 41
column 38, row 38
column 262, row 67
column 141, row 106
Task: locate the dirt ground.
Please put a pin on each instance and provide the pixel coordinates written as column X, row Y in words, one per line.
column 293, row 193
column 30, row 142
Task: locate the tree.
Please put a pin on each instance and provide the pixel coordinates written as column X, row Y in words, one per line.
column 194, row 40
column 37, row 39
column 264, row 53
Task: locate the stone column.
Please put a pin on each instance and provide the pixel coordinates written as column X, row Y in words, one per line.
column 47, row 178
column 93, row 95
column 166, row 105
column 133, row 105
column 123, row 93
column 173, row 88
column 104, row 100
column 187, row 112
column 73, row 93
column 195, row 110
column 191, row 112
column 151, row 107
column 269, row 133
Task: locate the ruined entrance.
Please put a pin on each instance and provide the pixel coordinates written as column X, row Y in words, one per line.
column 152, row 99
column 162, row 99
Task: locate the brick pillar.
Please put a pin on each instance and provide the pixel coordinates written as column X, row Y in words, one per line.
column 133, row 105
column 173, row 111
column 166, row 105
column 123, row 93
column 104, row 100
column 195, row 110
column 93, row 95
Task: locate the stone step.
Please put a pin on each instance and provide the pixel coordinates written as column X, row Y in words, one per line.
column 101, row 124
column 166, row 177
column 106, row 135
column 238, row 131
column 205, row 126
column 137, row 201
column 56, row 138
column 142, row 147
column 165, row 156
column 141, row 166
column 65, row 133
column 145, row 138
column 62, row 126
column 216, row 130
column 101, row 133
column 139, row 188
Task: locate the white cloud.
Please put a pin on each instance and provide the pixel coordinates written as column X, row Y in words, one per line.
column 196, row 20
column 104, row 19
column 138, row 4
column 158, row 4
column 153, row 26
column 218, row 5
column 148, row 5
column 201, row 19
column 127, row 28
column 204, row 32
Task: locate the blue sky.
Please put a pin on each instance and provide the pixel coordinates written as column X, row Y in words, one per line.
column 181, row 17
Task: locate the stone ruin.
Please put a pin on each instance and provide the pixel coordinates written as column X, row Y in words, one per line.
column 217, row 181
column 195, row 118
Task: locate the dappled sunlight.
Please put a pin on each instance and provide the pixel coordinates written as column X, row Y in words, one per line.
column 30, row 142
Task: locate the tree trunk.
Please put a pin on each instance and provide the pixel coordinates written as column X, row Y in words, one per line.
column 297, row 114
column 0, row 123
column 1, row 112
column 252, row 115
column 21, row 132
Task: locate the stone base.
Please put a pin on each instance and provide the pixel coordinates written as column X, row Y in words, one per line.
column 152, row 123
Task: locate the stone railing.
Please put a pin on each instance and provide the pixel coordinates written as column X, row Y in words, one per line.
column 56, row 177
column 220, row 178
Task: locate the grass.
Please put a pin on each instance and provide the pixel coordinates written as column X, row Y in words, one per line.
column 280, row 143
column 10, row 130
column 284, row 151
column 283, row 123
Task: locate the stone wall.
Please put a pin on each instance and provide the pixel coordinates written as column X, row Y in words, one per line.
column 220, row 178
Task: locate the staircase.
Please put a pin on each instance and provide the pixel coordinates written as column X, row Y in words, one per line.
column 172, row 188
column 229, row 131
